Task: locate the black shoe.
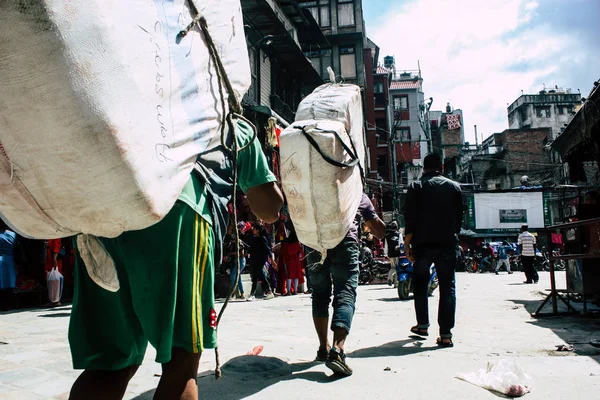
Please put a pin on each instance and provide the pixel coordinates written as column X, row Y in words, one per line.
column 337, row 363
column 528, row 282
column 510, row 272
column 496, row 272
column 535, row 281
column 322, row 355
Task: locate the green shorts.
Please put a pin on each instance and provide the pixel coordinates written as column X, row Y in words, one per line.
column 166, row 296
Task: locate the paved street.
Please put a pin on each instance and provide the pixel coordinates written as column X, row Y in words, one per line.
column 493, row 324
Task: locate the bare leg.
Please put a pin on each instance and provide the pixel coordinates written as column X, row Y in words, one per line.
column 321, row 325
column 339, row 338
column 179, row 375
column 102, row 384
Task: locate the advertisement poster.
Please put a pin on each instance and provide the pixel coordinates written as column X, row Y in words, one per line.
column 508, row 211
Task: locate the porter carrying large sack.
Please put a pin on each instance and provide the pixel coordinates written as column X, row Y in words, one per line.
column 104, row 107
column 337, row 102
column 322, row 181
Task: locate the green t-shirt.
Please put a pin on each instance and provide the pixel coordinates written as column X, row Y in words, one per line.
column 253, row 170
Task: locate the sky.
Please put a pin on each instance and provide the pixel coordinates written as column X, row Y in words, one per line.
column 479, row 54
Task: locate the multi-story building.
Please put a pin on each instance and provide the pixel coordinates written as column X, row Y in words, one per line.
column 342, row 23
column 406, row 114
column 506, row 157
column 552, row 109
column 448, row 138
column 276, row 32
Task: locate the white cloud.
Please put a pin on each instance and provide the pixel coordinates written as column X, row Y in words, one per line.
column 478, row 55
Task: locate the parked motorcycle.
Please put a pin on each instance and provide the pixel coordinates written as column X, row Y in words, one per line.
column 372, row 268
column 404, row 274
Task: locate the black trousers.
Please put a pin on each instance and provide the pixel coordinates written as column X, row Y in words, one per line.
column 258, row 274
column 531, row 274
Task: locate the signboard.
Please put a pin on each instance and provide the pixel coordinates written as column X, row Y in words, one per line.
column 510, row 216
column 508, row 211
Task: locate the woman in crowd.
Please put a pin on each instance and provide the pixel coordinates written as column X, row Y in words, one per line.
column 290, row 260
column 260, row 256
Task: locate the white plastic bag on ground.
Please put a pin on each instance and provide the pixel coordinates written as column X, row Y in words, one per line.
column 504, row 377
column 103, row 109
column 54, row 281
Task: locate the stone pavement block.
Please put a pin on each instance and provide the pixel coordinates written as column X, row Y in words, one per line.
column 26, row 377
column 54, row 387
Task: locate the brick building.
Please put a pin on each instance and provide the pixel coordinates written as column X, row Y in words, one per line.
column 516, row 153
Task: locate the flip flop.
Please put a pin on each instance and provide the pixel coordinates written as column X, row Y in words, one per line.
column 419, row 331
column 445, row 342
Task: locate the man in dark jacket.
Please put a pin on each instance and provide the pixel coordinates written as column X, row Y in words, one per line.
column 433, row 214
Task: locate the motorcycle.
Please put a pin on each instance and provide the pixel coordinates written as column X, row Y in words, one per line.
column 372, row 268
column 404, row 274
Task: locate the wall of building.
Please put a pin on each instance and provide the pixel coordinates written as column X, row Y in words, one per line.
column 265, row 79
column 522, row 152
column 523, row 112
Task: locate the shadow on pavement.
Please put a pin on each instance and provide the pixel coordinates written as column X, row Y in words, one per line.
column 393, row 349
column 245, row 376
column 577, row 330
column 57, row 315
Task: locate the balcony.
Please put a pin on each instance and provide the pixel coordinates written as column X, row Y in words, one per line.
column 282, row 108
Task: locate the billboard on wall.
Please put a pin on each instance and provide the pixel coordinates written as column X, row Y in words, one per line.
column 508, row 211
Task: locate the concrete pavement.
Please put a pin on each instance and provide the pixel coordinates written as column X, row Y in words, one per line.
column 493, row 323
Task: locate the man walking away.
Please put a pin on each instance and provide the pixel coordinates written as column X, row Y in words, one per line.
column 165, row 291
column 433, row 214
column 341, row 266
column 527, row 246
column 393, row 239
column 503, row 258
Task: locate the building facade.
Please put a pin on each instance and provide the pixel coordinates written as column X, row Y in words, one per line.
column 407, row 116
column 448, row 138
column 507, row 157
column 552, row 109
column 341, row 21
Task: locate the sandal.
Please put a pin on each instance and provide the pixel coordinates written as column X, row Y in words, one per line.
column 419, row 331
column 322, row 355
column 444, row 342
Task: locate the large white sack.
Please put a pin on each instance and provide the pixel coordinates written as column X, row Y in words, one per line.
column 103, row 109
column 322, row 198
column 337, row 102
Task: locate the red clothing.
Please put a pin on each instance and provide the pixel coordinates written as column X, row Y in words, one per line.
column 290, row 257
column 53, row 246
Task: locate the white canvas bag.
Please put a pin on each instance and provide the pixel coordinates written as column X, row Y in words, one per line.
column 103, row 109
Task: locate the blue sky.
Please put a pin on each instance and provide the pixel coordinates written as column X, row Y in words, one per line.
column 479, row 55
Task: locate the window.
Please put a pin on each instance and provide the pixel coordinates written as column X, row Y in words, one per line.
column 381, row 129
column 401, row 103
column 523, row 114
column 382, row 167
column 561, row 110
column 320, row 11
column 320, row 59
column 348, row 61
column 345, row 12
column 542, row 112
column 378, row 87
column 403, row 134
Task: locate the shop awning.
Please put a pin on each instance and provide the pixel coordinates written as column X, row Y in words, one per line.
column 264, row 22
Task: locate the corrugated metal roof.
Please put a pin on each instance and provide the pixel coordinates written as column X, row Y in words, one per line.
column 407, row 84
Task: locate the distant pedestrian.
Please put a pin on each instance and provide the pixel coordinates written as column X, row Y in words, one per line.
column 261, row 259
column 393, row 240
column 433, row 214
column 290, row 261
column 527, row 246
column 342, row 266
column 503, row 251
